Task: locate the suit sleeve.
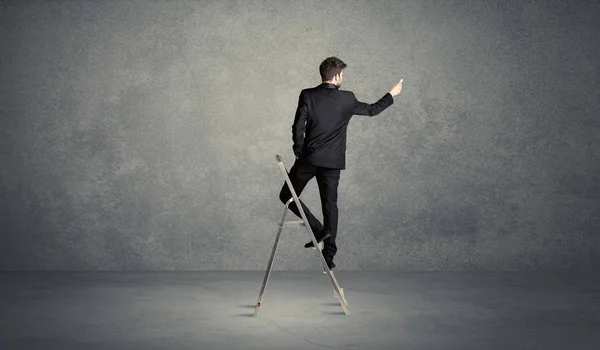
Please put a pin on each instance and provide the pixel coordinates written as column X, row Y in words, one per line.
column 299, row 126
column 361, row 108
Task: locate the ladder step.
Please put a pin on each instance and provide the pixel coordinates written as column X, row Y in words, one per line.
column 294, row 222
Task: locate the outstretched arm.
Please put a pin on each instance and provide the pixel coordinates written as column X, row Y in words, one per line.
column 361, row 108
column 299, row 126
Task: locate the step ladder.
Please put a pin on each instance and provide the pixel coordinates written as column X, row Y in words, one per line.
column 337, row 291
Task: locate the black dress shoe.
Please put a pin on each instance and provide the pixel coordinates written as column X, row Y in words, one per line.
column 328, row 260
column 330, row 264
column 320, row 236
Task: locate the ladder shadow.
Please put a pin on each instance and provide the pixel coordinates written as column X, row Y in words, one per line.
column 335, row 313
column 246, row 306
column 332, row 304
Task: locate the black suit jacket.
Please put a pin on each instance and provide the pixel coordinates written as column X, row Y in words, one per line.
column 321, row 122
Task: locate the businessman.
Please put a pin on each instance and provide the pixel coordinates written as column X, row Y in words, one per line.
column 319, row 143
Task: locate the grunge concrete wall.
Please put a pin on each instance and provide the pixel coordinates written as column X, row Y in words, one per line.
column 140, row 135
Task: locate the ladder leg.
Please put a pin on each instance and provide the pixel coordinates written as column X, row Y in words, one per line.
column 340, row 289
column 338, row 292
column 270, row 265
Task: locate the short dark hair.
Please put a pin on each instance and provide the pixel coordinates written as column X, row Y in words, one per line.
column 330, row 67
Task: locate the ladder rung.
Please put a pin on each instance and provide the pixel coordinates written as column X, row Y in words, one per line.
column 294, row 222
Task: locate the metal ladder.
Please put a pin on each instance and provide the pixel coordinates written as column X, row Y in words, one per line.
column 338, row 292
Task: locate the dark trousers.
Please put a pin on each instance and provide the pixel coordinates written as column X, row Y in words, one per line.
column 328, row 180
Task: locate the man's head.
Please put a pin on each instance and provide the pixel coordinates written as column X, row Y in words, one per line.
column 331, row 71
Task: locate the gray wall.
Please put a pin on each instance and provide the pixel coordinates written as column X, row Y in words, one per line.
column 140, row 135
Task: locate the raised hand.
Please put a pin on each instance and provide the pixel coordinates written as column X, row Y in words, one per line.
column 396, row 89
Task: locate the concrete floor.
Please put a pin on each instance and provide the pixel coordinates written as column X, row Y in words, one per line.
column 213, row 310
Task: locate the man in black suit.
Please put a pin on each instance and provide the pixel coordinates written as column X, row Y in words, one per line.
column 319, row 136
